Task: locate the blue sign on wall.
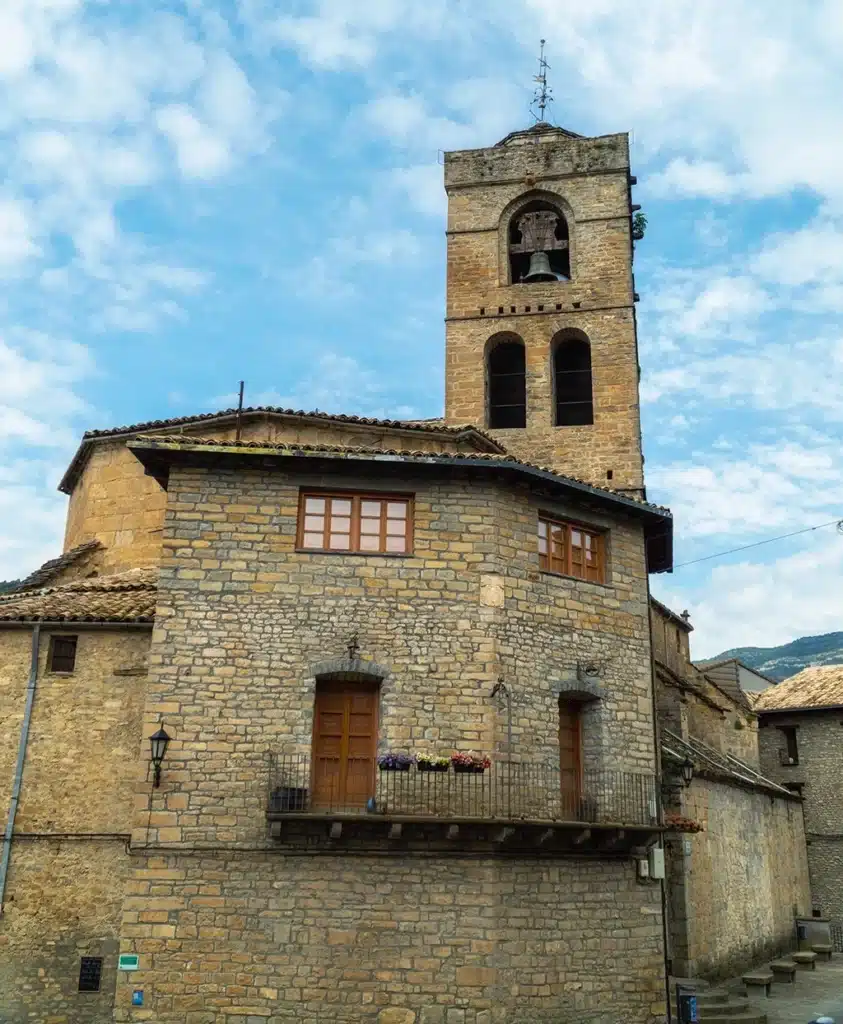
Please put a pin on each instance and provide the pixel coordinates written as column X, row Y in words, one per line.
column 137, row 997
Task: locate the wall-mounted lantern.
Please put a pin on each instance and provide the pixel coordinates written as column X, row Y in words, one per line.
column 687, row 771
column 158, row 742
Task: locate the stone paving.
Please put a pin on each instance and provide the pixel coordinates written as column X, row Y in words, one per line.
column 813, row 994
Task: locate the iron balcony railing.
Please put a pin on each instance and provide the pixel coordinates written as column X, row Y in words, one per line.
column 505, row 791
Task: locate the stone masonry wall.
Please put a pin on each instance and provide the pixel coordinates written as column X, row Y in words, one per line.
column 735, row 893
column 819, row 740
column 115, row 503
column 243, row 623
column 69, row 861
column 253, row 937
column 589, row 180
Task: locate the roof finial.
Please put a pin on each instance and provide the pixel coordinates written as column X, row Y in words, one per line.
column 543, row 95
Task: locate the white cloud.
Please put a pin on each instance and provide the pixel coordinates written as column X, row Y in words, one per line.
column 199, row 153
column 757, row 603
column 17, row 244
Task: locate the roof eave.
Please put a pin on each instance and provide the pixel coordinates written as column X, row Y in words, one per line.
column 156, row 456
column 229, row 417
column 802, row 709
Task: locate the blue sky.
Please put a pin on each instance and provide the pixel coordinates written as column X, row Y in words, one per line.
column 197, row 192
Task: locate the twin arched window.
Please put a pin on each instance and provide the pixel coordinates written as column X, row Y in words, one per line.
column 506, row 375
column 572, row 391
column 506, row 381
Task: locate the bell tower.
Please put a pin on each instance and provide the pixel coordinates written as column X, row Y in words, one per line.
column 541, row 347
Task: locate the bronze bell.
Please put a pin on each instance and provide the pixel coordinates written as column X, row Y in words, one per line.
column 539, row 269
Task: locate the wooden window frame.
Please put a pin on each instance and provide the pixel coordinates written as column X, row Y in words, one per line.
column 51, row 653
column 565, row 566
column 356, row 498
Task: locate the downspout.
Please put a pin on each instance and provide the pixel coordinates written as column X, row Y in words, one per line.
column 659, row 811
column 18, row 780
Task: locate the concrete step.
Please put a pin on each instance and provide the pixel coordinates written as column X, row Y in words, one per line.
column 720, row 1010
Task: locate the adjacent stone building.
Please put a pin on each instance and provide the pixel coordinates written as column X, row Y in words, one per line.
column 735, row 887
column 801, row 738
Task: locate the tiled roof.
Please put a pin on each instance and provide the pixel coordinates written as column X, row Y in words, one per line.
column 710, row 762
column 287, row 448
column 122, row 597
column 669, row 613
column 434, row 426
column 815, row 687
column 52, row 568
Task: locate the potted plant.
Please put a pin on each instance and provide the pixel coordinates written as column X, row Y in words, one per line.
column 427, row 762
column 469, row 763
column 395, row 762
column 677, row 823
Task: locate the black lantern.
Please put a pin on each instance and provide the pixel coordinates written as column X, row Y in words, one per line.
column 158, row 742
column 687, row 772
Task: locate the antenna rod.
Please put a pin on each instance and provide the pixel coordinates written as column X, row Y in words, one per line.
column 240, row 412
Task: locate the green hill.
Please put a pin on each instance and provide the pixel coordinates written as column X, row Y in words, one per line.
column 785, row 661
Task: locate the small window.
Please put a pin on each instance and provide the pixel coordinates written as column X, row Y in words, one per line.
column 572, row 383
column 571, row 550
column 90, row 974
column 355, row 523
column 507, row 383
column 790, row 754
column 62, row 655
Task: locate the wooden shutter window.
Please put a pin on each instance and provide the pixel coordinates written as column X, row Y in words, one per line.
column 356, row 523
column 62, row 654
column 571, row 550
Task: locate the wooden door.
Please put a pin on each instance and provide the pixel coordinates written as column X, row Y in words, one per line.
column 345, row 730
column 570, row 756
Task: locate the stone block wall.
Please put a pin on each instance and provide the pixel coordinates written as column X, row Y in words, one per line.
column 589, row 180
column 114, row 502
column 245, row 623
column 69, row 856
column 739, row 884
column 247, row 937
column 819, row 737
column 243, row 619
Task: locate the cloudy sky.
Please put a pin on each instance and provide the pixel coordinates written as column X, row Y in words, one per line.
column 198, row 191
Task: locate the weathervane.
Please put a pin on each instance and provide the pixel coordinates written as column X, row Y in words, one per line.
column 543, row 95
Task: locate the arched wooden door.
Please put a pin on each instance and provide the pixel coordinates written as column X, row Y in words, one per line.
column 345, row 737
column 570, row 757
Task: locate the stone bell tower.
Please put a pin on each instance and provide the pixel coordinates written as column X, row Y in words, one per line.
column 541, row 345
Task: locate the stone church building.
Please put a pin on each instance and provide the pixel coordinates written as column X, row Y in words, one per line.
column 405, row 670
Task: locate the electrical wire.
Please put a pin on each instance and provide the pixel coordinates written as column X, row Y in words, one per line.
column 770, row 540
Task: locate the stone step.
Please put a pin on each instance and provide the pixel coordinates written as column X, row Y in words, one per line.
column 736, row 1017
column 713, row 995
column 725, row 1012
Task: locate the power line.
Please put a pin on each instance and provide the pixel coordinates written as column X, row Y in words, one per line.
column 745, row 547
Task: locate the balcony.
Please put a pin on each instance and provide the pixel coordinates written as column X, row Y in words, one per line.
column 506, row 808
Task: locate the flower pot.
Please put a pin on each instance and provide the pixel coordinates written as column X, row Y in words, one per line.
column 394, row 767
column 427, row 766
column 469, row 769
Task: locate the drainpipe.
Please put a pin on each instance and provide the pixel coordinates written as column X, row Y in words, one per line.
column 659, row 810
column 16, row 785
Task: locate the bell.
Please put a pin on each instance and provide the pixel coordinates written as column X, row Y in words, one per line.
column 539, row 269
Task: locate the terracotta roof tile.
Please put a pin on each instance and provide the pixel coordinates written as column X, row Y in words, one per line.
column 289, row 448
column 123, row 597
column 433, row 426
column 814, row 687
column 48, row 570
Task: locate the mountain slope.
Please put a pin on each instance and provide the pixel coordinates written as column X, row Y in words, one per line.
column 785, row 661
